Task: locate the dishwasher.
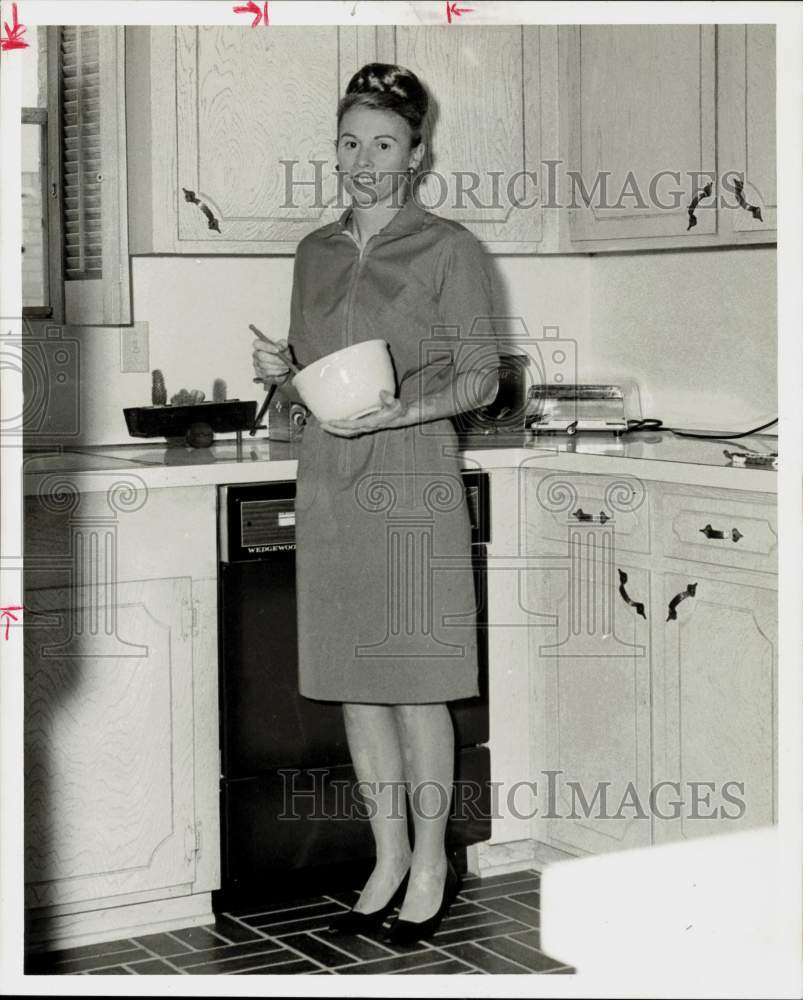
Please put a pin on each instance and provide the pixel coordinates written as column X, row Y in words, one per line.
column 287, row 796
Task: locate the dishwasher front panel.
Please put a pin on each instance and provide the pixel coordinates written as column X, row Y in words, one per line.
column 265, row 722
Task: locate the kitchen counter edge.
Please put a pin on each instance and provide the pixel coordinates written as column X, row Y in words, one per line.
column 276, row 470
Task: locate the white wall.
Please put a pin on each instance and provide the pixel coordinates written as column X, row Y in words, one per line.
column 697, row 330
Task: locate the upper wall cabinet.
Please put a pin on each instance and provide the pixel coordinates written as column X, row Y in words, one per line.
column 492, row 117
column 746, row 70
column 231, row 131
column 231, row 134
column 668, row 133
column 541, row 139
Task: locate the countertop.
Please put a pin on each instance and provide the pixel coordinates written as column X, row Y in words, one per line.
column 655, row 455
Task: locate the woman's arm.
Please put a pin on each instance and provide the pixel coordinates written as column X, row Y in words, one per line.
column 462, row 395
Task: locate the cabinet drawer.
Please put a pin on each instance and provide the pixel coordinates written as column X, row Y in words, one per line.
column 562, row 501
column 719, row 529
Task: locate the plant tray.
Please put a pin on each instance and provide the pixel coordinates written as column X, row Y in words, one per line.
column 173, row 421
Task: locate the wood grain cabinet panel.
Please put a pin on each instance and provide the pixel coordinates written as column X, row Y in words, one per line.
column 542, row 139
column 122, row 762
column 233, row 133
column 595, row 674
column 721, row 528
column 649, row 114
column 246, row 102
column 109, row 805
column 639, row 108
column 716, row 717
column 655, row 670
column 746, row 68
column 486, row 142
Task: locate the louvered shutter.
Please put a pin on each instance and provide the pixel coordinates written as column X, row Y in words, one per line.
column 96, row 278
column 81, row 157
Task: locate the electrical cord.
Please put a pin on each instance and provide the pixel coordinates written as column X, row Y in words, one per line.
column 653, row 424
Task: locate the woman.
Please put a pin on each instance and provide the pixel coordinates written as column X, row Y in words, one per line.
column 384, row 583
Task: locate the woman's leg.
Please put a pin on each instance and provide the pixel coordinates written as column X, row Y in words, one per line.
column 427, row 742
column 373, row 740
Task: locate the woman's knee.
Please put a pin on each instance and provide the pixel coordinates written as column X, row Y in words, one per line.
column 424, row 714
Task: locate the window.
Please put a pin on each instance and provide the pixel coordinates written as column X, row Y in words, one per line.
column 74, row 201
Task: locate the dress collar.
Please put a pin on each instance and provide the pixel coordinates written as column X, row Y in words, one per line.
column 410, row 218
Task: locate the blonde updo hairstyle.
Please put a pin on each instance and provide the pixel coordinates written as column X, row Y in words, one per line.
column 386, row 87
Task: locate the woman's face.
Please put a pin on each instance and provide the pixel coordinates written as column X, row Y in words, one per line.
column 374, row 154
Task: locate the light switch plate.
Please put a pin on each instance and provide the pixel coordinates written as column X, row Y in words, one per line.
column 134, row 348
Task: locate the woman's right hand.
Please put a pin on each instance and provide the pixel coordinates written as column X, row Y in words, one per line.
column 267, row 363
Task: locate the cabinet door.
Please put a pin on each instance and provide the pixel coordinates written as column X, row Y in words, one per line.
column 108, row 741
column 246, row 101
column 236, row 152
column 639, row 117
column 715, row 706
column 487, row 133
column 746, row 68
column 595, row 680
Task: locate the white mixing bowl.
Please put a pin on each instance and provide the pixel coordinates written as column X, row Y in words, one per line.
column 346, row 384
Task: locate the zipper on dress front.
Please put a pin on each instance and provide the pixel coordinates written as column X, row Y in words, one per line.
column 353, row 286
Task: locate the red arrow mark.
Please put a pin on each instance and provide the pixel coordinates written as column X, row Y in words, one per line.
column 453, row 9
column 252, row 8
column 7, row 614
column 13, row 39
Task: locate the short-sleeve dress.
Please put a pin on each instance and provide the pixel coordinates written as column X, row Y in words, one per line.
column 385, row 590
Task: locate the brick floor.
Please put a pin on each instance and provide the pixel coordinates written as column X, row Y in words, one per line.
column 492, row 927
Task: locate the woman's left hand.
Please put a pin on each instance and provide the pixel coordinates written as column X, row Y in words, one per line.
column 389, row 416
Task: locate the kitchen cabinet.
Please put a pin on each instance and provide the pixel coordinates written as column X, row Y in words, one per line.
column 657, row 673
column 492, row 128
column 121, row 715
column 746, row 72
column 596, row 137
column 109, row 805
column 716, row 700
column 716, row 723
column 596, row 682
column 231, row 134
column 649, row 115
column 230, row 131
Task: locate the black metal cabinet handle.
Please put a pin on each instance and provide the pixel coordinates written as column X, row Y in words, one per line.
column 690, row 591
column 211, row 221
column 754, row 210
column 627, row 599
column 581, row 515
column 710, row 532
column 698, row 197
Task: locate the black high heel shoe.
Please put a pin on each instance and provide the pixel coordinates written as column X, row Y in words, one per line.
column 354, row 922
column 408, row 931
